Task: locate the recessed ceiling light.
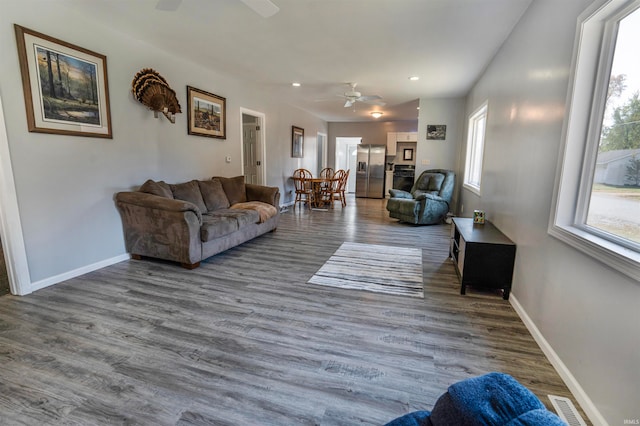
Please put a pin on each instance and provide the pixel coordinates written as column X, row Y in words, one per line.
column 296, row 84
column 414, row 78
column 376, row 114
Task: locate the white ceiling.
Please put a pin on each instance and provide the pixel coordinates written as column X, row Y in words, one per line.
column 324, row 44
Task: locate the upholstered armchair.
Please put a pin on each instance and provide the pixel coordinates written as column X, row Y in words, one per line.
column 429, row 199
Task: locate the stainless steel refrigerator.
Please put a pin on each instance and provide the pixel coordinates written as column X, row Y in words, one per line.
column 370, row 171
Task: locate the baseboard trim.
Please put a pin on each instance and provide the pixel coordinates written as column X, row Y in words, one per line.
column 38, row 285
column 574, row 386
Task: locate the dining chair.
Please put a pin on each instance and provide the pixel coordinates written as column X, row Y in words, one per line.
column 304, row 189
column 326, row 173
column 334, row 189
column 343, row 187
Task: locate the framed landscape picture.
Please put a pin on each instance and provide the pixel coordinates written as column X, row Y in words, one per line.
column 436, row 132
column 297, row 142
column 207, row 114
column 65, row 86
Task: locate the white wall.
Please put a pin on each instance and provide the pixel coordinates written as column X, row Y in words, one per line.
column 440, row 154
column 587, row 313
column 65, row 185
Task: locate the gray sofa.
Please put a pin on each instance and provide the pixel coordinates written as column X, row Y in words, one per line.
column 191, row 221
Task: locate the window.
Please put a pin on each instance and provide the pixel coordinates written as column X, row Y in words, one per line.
column 597, row 201
column 475, row 149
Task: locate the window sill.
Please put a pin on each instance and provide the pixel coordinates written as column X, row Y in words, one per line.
column 470, row 188
column 617, row 257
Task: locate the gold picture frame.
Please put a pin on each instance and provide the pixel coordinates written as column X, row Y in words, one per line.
column 206, row 114
column 65, row 86
column 297, row 142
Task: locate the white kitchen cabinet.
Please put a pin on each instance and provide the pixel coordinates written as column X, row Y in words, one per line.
column 394, row 137
column 391, row 143
column 406, row 137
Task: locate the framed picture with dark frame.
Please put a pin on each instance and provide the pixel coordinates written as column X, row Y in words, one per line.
column 65, row 86
column 297, row 142
column 206, row 114
column 408, row 154
column 436, row 132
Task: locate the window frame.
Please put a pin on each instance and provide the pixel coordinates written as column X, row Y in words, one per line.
column 594, row 48
column 472, row 141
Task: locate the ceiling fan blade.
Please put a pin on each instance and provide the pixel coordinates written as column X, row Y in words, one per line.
column 168, row 5
column 374, row 102
column 369, row 98
column 348, row 103
column 264, row 8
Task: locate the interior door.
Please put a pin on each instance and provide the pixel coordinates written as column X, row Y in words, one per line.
column 250, row 129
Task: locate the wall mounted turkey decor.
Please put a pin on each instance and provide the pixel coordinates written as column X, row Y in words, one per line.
column 153, row 91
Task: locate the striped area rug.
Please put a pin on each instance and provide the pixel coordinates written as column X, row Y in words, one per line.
column 377, row 268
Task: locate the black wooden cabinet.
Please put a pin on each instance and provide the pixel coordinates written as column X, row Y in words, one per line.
column 483, row 256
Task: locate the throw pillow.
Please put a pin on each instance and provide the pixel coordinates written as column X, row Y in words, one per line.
column 189, row 191
column 234, row 188
column 213, row 194
column 160, row 189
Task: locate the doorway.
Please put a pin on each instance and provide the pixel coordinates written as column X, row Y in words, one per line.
column 253, row 146
column 346, row 152
column 11, row 239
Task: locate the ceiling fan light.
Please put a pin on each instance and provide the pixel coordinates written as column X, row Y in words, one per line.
column 376, row 114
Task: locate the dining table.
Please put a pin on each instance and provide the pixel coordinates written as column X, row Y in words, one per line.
column 319, row 202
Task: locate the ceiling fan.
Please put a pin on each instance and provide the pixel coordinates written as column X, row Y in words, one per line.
column 264, row 8
column 352, row 96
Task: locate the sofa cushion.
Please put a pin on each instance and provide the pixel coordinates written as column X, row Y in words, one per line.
column 189, row 191
column 161, row 189
column 234, row 188
column 213, row 194
column 216, row 226
column 417, row 418
column 430, row 181
column 265, row 211
column 493, row 399
column 421, row 195
column 435, row 182
column 243, row 217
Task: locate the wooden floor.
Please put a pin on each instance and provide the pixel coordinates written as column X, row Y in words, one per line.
column 244, row 340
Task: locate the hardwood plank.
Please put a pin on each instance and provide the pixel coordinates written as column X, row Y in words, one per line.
column 243, row 339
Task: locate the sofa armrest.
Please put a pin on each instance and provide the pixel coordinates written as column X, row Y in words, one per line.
column 399, row 193
column 439, row 199
column 266, row 194
column 142, row 199
column 427, row 196
column 160, row 227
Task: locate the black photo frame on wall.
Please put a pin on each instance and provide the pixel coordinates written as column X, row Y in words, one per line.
column 408, row 154
column 436, row 132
